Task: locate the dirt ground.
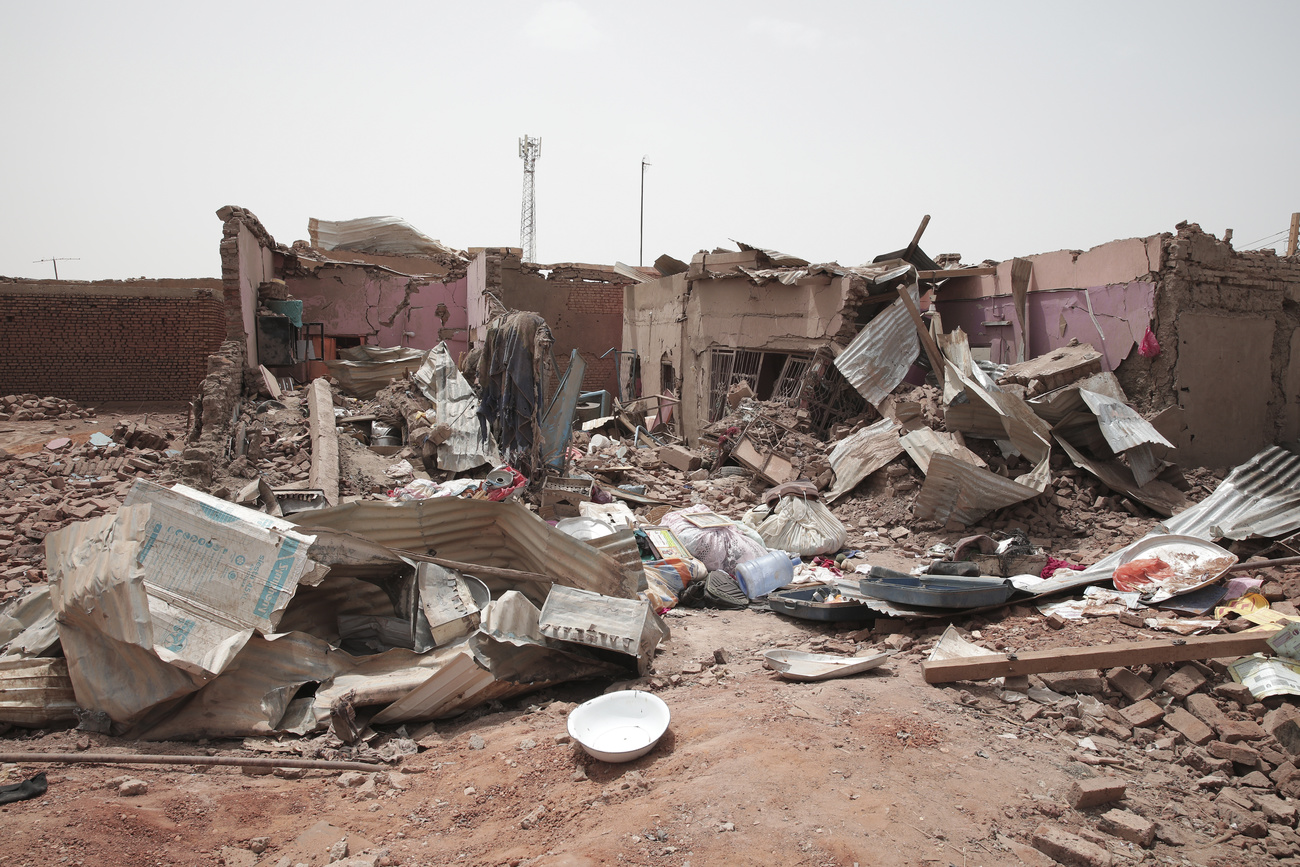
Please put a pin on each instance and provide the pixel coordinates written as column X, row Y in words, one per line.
column 876, row 769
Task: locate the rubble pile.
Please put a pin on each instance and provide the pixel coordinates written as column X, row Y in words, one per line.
column 67, row 482
column 33, row 407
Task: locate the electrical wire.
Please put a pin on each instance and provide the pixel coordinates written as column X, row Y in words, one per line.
column 1267, row 240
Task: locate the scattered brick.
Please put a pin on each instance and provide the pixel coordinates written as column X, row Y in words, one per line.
column 1069, row 849
column 1098, row 790
column 1128, row 826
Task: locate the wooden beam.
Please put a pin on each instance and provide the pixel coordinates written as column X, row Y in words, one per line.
column 1127, row 654
column 931, row 348
column 920, row 230
column 945, row 273
column 1293, row 234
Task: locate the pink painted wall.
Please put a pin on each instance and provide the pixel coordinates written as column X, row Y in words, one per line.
column 382, row 306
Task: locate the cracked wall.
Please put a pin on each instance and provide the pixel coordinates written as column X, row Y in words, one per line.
column 247, row 261
column 381, row 305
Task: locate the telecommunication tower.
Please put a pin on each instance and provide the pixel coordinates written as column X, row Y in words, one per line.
column 529, row 150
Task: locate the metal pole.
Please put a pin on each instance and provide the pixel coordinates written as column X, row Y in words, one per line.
column 235, row 761
column 640, row 258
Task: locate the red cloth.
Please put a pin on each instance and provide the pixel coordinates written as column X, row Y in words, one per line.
column 1149, row 348
column 1053, row 565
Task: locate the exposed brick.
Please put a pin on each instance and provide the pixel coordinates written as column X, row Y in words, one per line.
column 1143, row 713
column 1133, row 687
column 1188, row 726
column 1098, row 790
column 1069, row 849
column 1184, row 682
column 1128, row 826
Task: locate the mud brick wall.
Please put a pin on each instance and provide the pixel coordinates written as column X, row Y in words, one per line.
column 1228, row 323
column 93, row 343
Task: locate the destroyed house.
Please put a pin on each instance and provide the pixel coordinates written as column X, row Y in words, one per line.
column 370, row 282
column 1200, row 333
column 763, row 319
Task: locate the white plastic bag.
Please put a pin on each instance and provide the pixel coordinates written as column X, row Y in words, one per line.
column 804, row 527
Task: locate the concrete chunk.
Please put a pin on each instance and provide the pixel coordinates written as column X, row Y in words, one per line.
column 1069, row 849
column 1128, row 826
column 1188, row 726
column 1184, row 682
column 1098, row 790
column 1144, row 713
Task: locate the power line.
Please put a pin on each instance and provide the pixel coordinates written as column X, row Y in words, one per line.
column 1266, row 240
column 56, row 262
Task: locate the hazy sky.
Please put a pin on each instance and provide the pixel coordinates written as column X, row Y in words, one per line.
column 823, row 129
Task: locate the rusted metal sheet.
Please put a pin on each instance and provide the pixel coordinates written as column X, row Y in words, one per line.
column 956, row 491
column 880, row 356
column 362, row 371
column 860, row 454
column 482, row 532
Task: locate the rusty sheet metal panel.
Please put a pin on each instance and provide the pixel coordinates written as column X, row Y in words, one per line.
column 923, row 443
column 1259, row 498
column 956, row 491
column 505, row 535
column 880, row 356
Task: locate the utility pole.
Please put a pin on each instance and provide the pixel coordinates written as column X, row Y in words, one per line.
column 530, row 149
column 78, row 259
column 1292, row 235
column 640, row 257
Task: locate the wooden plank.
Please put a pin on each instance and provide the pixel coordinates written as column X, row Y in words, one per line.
column 931, row 349
column 1127, row 654
column 945, row 273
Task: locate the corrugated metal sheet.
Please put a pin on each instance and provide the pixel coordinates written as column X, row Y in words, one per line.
column 880, row 356
column 557, row 423
column 506, row 535
column 1259, row 498
column 382, row 236
column 364, row 377
column 456, row 406
column 954, row 490
column 860, row 454
column 1120, row 423
column 923, row 443
column 35, row 692
column 1056, row 405
column 1160, row 497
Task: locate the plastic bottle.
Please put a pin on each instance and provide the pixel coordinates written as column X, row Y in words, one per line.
column 762, row 575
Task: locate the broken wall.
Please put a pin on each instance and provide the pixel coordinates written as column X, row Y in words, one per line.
column 1226, row 323
column 582, row 305
column 1103, row 296
column 683, row 320
column 109, row 339
column 381, row 305
column 247, row 261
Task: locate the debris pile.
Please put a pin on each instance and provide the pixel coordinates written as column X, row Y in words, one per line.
column 33, row 407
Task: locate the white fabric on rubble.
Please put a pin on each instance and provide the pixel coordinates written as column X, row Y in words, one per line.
column 804, row 527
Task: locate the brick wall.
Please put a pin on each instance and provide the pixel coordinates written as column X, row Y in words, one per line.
column 92, row 347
